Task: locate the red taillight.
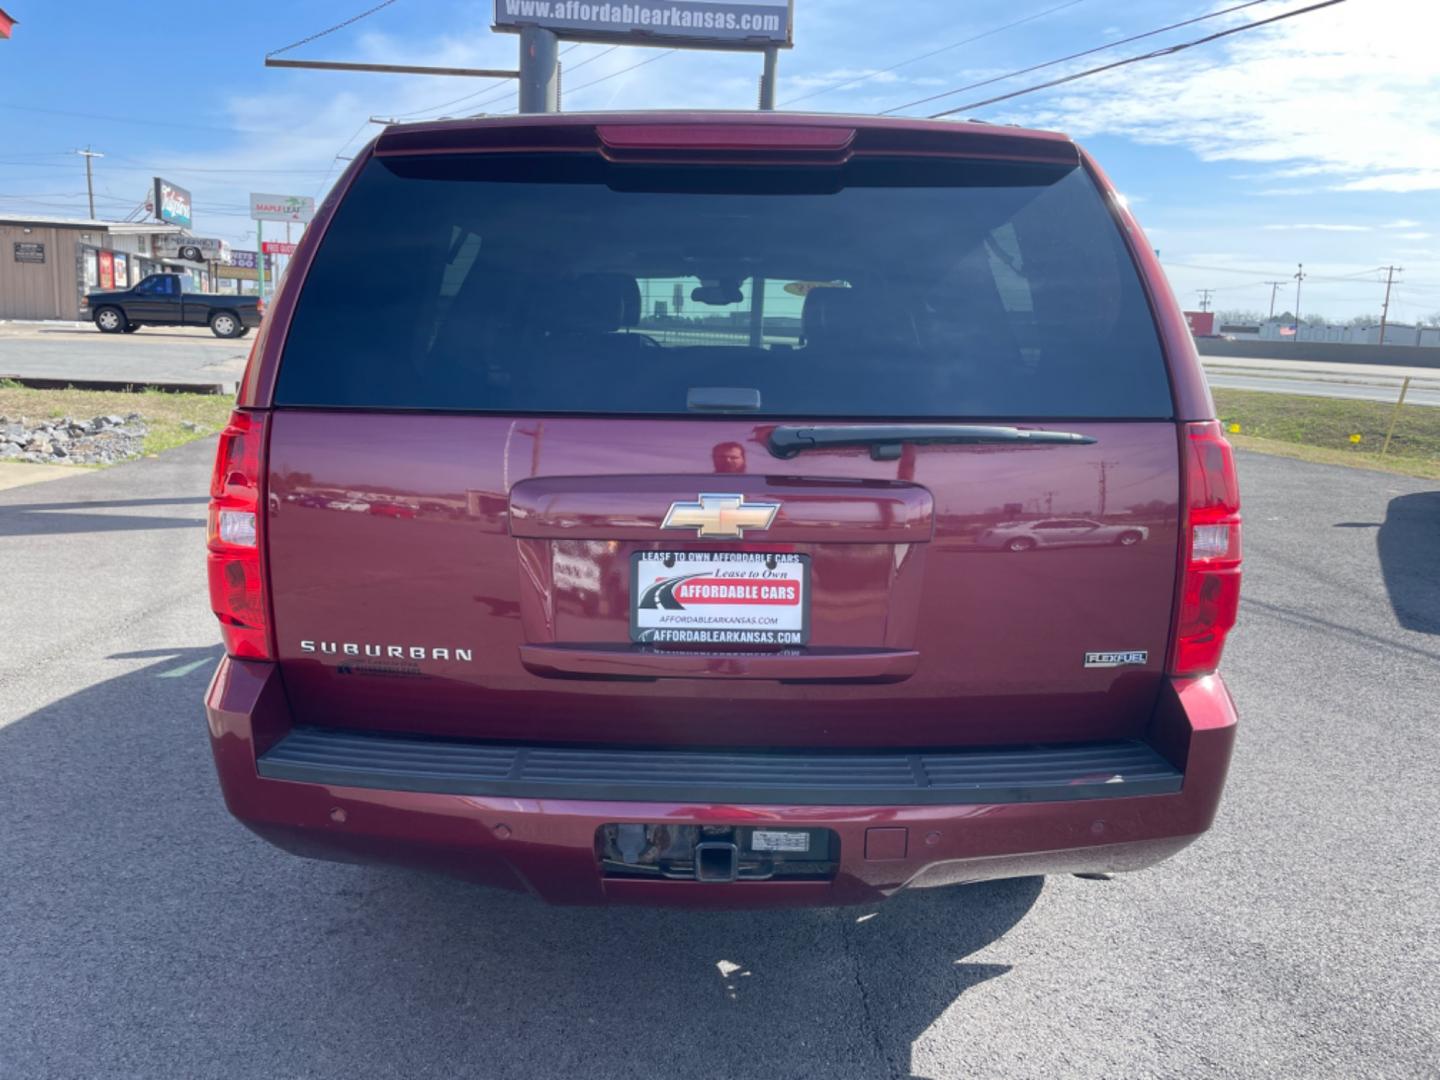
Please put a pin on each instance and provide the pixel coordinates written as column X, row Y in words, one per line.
column 237, row 584
column 1210, row 589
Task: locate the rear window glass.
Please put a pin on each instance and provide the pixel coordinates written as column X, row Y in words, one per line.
column 544, row 284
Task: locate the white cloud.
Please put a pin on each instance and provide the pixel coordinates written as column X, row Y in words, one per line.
column 1347, row 93
column 1320, row 228
column 1416, row 236
column 1400, row 223
column 1418, row 180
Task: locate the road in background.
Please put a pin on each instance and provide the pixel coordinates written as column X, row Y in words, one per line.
column 146, row 934
column 174, row 355
column 181, row 355
column 1357, row 382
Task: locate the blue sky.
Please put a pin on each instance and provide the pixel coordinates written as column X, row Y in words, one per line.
column 1317, row 140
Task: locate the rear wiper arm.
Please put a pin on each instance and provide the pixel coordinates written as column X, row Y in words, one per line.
column 885, row 440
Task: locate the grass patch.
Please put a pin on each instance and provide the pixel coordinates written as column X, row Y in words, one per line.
column 1322, row 429
column 166, row 414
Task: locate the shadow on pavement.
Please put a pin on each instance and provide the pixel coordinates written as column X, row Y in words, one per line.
column 148, row 934
column 198, row 334
column 1409, row 543
column 43, row 519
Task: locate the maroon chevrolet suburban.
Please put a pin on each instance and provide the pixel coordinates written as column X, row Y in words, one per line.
column 611, row 511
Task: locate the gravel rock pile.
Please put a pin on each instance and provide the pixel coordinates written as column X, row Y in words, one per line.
column 101, row 441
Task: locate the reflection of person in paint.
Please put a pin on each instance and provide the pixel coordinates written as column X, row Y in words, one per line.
column 729, row 457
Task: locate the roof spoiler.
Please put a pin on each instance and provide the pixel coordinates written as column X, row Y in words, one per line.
column 729, row 137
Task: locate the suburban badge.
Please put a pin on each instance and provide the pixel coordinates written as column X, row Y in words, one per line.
column 720, row 516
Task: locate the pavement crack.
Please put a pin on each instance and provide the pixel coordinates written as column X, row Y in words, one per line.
column 893, row 1069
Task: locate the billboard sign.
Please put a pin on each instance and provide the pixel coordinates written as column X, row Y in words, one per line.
column 244, row 258
column 189, row 248
column 278, row 247
column 711, row 24
column 172, row 203
column 281, row 207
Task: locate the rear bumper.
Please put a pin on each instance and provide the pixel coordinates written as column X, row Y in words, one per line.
column 528, row 820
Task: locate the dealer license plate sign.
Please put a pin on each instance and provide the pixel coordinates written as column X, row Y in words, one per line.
column 720, row 598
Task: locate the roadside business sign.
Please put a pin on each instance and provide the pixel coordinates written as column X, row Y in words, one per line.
column 107, row 270
column 710, row 24
column 246, row 260
column 281, row 207
column 171, row 203
column 278, row 247
column 189, row 248
column 236, row 273
column 29, row 253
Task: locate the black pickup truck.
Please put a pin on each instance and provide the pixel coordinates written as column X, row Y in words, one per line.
column 159, row 300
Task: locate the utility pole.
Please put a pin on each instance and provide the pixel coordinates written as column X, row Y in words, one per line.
column 1205, row 298
column 1274, row 288
column 1390, row 272
column 1299, row 277
column 88, row 154
column 1105, row 467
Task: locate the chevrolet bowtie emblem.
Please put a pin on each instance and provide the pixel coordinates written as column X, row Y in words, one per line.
column 720, row 516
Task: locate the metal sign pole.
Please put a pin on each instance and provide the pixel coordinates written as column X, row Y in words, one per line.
column 539, row 70
column 767, row 79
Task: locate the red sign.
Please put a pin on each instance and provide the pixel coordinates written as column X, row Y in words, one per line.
column 1202, row 323
column 277, row 247
column 107, row 270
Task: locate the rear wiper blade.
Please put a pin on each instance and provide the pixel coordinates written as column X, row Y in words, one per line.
column 885, row 440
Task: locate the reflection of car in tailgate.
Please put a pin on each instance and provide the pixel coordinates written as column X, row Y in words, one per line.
column 1062, row 532
column 713, row 435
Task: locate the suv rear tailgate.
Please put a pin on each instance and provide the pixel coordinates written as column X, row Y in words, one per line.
column 410, row 595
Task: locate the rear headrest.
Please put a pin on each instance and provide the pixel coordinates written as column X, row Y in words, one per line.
column 597, row 304
column 854, row 318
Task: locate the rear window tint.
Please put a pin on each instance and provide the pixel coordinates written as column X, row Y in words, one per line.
column 544, row 284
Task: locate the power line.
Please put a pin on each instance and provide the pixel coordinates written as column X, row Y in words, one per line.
column 1348, row 278
column 514, row 91
column 335, row 160
column 1072, row 56
column 622, row 71
column 934, row 52
column 592, row 82
column 591, row 59
column 500, row 82
column 1169, row 50
column 331, row 30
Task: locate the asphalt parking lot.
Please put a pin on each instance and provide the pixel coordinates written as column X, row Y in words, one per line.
column 144, row 934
